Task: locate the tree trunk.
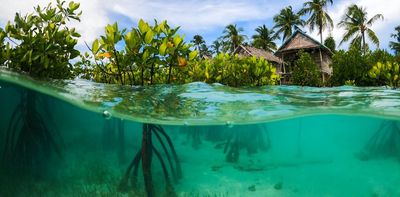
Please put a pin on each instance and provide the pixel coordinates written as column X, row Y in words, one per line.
column 169, row 74
column 363, row 42
column 147, row 150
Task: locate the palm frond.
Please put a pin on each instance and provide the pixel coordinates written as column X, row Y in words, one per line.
column 375, row 18
column 349, row 34
column 371, row 34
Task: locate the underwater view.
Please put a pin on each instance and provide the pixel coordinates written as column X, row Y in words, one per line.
column 80, row 138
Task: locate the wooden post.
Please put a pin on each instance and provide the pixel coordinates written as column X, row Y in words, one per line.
column 322, row 70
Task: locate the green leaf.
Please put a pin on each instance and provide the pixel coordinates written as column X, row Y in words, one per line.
column 163, row 48
column 95, row 46
column 74, row 54
column 76, row 34
column 192, row 55
column 143, row 26
column 73, row 6
column 177, row 40
column 149, row 37
column 130, row 39
column 146, row 55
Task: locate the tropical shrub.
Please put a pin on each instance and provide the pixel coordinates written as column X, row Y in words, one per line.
column 387, row 73
column 149, row 56
column 305, row 71
column 42, row 45
column 5, row 48
column 353, row 65
column 349, row 65
column 330, row 43
column 230, row 70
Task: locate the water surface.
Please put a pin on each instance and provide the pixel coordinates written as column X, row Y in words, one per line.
column 78, row 138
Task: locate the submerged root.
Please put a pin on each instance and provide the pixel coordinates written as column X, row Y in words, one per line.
column 144, row 157
column 29, row 143
column 251, row 140
column 384, row 143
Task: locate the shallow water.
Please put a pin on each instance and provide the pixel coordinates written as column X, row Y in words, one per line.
column 76, row 138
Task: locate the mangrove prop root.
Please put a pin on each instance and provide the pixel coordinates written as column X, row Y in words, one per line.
column 232, row 148
column 174, row 175
column 144, row 157
column 385, row 142
column 123, row 185
column 29, row 142
column 168, row 186
column 146, row 160
column 250, row 140
column 171, row 146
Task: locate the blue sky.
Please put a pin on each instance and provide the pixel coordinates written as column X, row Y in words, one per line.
column 205, row 17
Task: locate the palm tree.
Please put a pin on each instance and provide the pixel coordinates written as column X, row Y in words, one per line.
column 319, row 18
column 232, row 37
column 357, row 24
column 216, row 46
column 285, row 21
column 396, row 44
column 197, row 42
column 200, row 46
column 264, row 39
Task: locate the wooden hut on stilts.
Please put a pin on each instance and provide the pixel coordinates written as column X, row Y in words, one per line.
column 288, row 52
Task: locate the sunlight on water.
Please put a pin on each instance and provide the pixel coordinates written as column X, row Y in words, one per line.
column 203, row 104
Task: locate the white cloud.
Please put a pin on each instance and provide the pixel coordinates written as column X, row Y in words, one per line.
column 194, row 15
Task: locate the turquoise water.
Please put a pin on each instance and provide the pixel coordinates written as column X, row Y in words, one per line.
column 77, row 138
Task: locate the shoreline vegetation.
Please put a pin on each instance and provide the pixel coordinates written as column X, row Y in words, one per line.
column 43, row 46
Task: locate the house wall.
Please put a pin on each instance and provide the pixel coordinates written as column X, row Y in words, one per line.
column 291, row 57
column 326, row 61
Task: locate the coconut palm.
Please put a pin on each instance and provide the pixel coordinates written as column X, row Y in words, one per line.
column 285, row 21
column 395, row 45
column 197, row 41
column 216, row 46
column 357, row 24
column 264, row 39
column 200, row 46
column 232, row 37
column 319, row 18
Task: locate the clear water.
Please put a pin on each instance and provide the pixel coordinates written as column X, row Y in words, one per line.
column 77, row 138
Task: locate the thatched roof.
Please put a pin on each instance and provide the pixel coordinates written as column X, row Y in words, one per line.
column 300, row 40
column 252, row 51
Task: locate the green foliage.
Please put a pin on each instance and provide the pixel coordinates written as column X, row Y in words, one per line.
column 358, row 27
column 395, row 45
column 285, row 22
column 200, row 45
column 84, row 68
column 43, row 44
column 264, row 39
column 318, row 17
column 387, row 72
column 5, row 49
column 217, row 46
column 230, row 70
column 306, row 71
column 232, row 38
column 350, row 83
column 149, row 56
column 353, row 65
column 349, row 65
column 330, row 43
